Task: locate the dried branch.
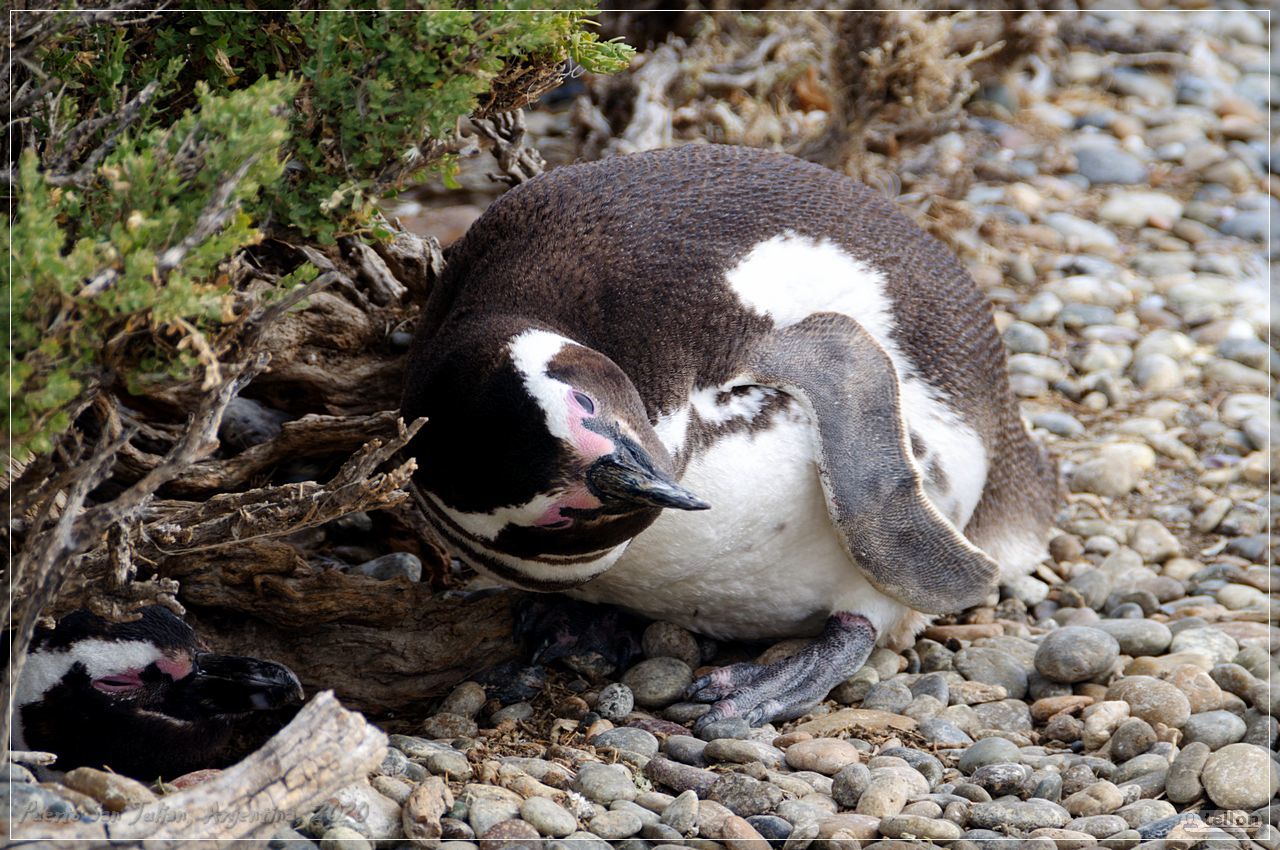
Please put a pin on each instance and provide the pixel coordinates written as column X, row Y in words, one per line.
column 212, row 219
column 170, row 532
column 416, row 261
column 386, row 289
column 122, row 120
column 519, row 163
column 324, row 748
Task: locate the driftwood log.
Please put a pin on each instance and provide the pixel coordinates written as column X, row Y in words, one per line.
column 323, row 749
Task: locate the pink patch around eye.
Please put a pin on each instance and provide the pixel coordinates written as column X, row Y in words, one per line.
column 120, row 683
column 174, row 668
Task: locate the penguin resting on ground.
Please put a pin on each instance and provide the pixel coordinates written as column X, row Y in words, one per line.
column 142, row 699
column 731, row 390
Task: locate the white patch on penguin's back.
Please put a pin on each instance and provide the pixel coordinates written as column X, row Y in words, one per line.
column 734, row 399
column 672, row 429
column 790, row 277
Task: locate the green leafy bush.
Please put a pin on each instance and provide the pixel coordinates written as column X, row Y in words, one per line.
column 168, row 143
column 92, row 263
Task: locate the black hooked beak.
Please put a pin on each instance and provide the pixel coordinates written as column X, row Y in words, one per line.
column 627, row 479
column 230, row 684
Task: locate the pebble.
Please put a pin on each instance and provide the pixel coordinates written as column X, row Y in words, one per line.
column 1114, row 472
column 1143, row 812
column 1099, row 798
column 682, row 813
column 628, row 739
column 1024, row 815
column 686, row 750
column 1138, row 637
column 1076, row 654
column 730, row 727
column 604, row 783
column 615, row 702
column 1136, row 208
column 1108, row 164
column 992, row 666
column 912, row 826
column 772, row 828
column 658, row 682
column 667, row 640
column 614, row 825
column 1215, row 729
column 743, row 795
column 988, row 751
column 738, row 834
column 849, row 784
column 823, row 755
column 1212, row 642
column 444, row 725
column 391, row 566
column 679, row 777
column 1182, row 785
column 739, row 751
column 115, row 792
column 344, row 838
column 1155, row 543
column 1153, row 700
column 1240, row 776
column 884, row 796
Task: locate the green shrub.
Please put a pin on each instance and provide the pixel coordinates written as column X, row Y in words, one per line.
column 290, row 122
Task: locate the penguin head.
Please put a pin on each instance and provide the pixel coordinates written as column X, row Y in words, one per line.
column 540, row 447
column 142, row 698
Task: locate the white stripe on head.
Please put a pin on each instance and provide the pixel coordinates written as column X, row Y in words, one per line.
column 46, row 668
column 531, row 351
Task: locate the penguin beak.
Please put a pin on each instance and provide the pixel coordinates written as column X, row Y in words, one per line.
column 230, row 684
column 628, row 479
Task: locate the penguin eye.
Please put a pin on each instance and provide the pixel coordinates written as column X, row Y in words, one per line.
column 584, row 401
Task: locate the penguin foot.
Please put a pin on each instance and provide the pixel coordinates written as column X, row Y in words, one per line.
column 594, row 641
column 761, row 693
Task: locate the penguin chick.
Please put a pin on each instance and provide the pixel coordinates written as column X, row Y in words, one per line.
column 142, row 698
column 731, row 390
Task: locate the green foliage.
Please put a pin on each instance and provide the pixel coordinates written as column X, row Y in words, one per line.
column 85, row 270
column 323, row 112
column 376, row 87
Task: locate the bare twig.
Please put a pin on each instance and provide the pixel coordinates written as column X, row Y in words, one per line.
column 122, row 120
column 212, row 218
column 519, row 163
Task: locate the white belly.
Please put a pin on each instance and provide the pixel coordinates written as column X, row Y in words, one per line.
column 764, row 562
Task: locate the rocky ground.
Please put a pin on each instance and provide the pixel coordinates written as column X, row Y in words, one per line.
column 1115, row 208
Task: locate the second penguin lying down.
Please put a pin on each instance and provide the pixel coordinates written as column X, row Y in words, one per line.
column 731, row 390
column 143, row 699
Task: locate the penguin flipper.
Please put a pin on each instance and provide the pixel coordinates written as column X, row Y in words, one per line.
column 875, row 493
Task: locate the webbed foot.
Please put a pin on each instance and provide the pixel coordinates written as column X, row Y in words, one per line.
column 786, row 689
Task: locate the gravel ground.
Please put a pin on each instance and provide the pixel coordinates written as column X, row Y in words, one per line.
column 1123, row 694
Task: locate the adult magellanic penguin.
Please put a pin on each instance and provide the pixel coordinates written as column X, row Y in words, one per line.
column 732, row 390
column 143, row 698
